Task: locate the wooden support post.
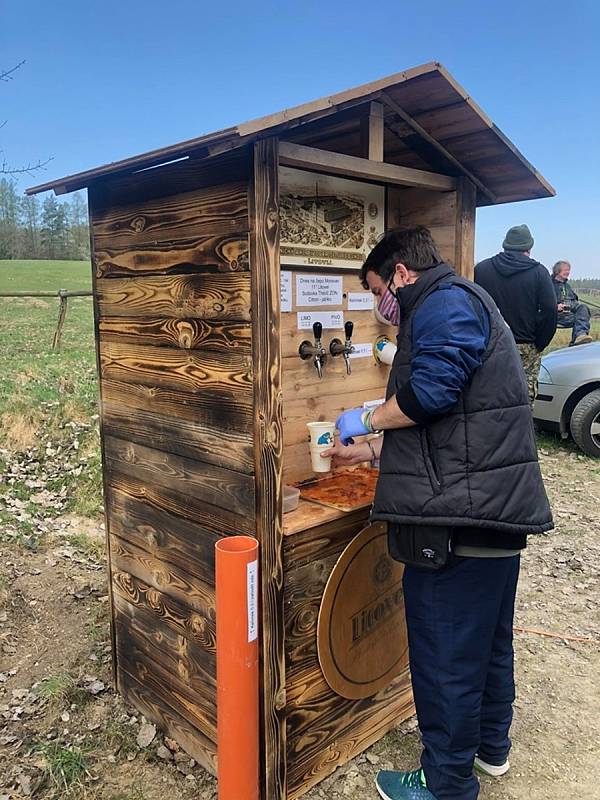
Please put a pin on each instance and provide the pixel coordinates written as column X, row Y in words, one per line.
column 466, row 197
column 268, row 448
column 371, row 133
column 62, row 313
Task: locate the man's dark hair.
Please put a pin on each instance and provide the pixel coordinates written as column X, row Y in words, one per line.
column 414, row 247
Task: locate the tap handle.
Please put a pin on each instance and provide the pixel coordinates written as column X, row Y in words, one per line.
column 317, row 329
column 348, row 329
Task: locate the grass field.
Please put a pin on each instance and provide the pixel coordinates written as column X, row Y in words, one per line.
column 562, row 337
column 48, row 398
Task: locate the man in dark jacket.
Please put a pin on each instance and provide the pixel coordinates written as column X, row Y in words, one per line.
column 571, row 313
column 460, row 488
column 522, row 290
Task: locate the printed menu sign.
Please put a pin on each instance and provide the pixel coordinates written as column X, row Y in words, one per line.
column 330, row 320
column 286, row 291
column 360, row 301
column 318, row 290
column 362, row 350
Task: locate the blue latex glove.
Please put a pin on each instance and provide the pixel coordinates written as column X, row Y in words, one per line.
column 350, row 424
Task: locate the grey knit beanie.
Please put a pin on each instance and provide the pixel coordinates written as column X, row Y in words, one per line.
column 518, row 238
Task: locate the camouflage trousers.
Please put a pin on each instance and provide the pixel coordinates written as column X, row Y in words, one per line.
column 531, row 359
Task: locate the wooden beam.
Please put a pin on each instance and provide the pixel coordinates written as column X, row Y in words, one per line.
column 371, row 133
column 434, row 143
column 466, row 199
column 297, row 155
column 268, row 449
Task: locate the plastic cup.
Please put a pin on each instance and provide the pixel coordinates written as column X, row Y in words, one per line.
column 320, row 434
column 384, row 350
column 320, row 439
column 319, row 464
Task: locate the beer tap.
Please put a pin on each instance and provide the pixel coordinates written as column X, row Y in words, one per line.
column 315, row 351
column 337, row 347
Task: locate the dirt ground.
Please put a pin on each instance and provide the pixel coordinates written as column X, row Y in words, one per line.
column 65, row 734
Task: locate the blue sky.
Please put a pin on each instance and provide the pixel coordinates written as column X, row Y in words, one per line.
column 110, row 79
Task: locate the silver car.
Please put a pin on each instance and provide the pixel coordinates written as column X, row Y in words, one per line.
column 568, row 398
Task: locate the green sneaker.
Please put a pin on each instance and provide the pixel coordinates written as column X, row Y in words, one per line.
column 393, row 785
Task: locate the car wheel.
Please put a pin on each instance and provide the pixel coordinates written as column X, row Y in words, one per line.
column 585, row 423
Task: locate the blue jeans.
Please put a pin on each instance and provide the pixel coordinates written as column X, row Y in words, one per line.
column 578, row 319
column 460, row 626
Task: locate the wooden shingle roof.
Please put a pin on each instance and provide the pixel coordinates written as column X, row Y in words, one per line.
column 430, row 122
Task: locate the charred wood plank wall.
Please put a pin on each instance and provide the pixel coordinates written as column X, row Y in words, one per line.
column 264, row 258
column 172, row 302
column 191, row 351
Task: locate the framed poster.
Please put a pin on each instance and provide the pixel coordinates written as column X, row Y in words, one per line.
column 328, row 221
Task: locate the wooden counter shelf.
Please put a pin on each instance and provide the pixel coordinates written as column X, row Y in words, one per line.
column 204, row 399
column 311, row 515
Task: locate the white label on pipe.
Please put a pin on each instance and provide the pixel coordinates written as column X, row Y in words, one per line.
column 360, row 301
column 286, row 291
column 252, row 594
column 362, row 350
column 331, row 320
column 318, row 290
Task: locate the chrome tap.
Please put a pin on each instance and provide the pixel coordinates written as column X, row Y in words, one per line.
column 315, row 351
column 337, row 347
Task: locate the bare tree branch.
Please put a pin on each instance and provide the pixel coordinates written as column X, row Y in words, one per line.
column 6, row 75
column 5, row 168
column 30, row 169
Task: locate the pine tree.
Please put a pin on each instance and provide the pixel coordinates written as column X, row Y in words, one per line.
column 78, row 225
column 30, row 224
column 9, row 226
column 51, row 227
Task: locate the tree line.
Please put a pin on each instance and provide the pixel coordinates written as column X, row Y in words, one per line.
column 51, row 229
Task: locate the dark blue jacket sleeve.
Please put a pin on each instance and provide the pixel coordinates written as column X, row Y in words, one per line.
column 450, row 334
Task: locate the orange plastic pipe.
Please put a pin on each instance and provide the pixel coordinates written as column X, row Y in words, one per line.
column 236, row 567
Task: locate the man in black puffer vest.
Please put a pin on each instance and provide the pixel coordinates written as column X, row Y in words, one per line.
column 459, row 473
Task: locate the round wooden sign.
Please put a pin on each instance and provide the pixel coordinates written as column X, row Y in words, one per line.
column 361, row 633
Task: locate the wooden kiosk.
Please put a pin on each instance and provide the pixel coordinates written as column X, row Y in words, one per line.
column 205, row 400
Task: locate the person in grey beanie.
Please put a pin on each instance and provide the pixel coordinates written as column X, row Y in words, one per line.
column 522, row 289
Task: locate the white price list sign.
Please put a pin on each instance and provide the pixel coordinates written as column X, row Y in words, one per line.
column 360, row 301
column 330, row 320
column 362, row 350
column 286, row 291
column 318, row 290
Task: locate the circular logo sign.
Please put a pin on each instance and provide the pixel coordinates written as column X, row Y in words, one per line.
column 361, row 633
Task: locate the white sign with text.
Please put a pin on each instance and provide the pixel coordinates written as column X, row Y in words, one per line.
column 360, row 301
column 318, row 290
column 330, row 320
column 362, row 350
column 286, row 291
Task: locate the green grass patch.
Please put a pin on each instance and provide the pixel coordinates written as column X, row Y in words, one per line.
column 43, row 392
column 90, row 546
column 44, row 276
column 65, row 767
column 60, row 690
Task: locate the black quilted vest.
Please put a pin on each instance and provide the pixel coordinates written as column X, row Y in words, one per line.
column 477, row 465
